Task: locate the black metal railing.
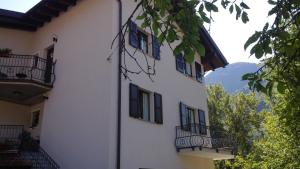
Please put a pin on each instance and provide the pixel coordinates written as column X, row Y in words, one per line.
column 17, row 146
column 10, row 132
column 202, row 136
column 27, row 67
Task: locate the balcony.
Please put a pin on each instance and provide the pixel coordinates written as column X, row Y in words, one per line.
column 25, row 78
column 204, row 141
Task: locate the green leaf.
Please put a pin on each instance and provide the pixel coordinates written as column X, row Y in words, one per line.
column 140, row 17
column 238, row 11
column 231, row 9
column 201, row 50
column 252, row 39
column 210, row 7
column 245, row 18
column 271, row 2
column 281, row 87
column 244, row 5
column 247, row 76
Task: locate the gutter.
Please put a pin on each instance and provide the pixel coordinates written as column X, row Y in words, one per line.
column 119, row 113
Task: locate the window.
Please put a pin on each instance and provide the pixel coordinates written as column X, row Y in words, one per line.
column 199, row 76
column 183, row 66
column 189, row 119
column 140, row 102
column 140, row 40
column 35, row 116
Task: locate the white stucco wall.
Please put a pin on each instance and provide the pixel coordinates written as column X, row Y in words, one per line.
column 19, row 41
column 76, row 116
column 148, row 145
column 14, row 114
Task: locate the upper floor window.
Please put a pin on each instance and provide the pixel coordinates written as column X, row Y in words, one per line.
column 198, row 70
column 183, row 66
column 141, row 102
column 192, row 119
column 140, row 40
column 186, row 68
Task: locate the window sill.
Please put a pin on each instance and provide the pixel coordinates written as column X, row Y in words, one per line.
column 146, row 54
column 193, row 78
column 149, row 122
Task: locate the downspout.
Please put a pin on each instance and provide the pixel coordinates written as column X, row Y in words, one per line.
column 118, row 154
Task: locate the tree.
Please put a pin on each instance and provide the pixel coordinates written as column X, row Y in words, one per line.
column 276, row 149
column 235, row 114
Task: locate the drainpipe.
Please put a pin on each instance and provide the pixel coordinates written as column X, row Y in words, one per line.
column 118, row 154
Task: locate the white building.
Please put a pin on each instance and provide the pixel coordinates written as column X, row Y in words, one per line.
column 61, row 85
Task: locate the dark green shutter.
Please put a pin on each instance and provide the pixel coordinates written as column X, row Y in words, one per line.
column 202, row 122
column 158, row 108
column 184, row 116
column 155, row 48
column 133, row 34
column 134, row 110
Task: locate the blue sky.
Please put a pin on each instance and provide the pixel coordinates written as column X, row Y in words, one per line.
column 229, row 34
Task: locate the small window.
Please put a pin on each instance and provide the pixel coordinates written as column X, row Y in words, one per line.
column 183, row 66
column 145, row 105
column 35, row 117
column 199, row 76
column 137, row 38
column 191, row 120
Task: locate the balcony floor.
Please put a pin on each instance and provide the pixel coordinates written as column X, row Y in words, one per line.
column 210, row 153
column 26, row 93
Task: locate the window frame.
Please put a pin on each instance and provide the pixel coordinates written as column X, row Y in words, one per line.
column 141, row 108
column 35, row 118
column 136, row 109
column 141, row 35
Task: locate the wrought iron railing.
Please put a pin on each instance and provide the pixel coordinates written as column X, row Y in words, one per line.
column 201, row 136
column 28, row 150
column 27, row 68
column 10, row 132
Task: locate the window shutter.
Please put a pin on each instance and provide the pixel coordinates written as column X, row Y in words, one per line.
column 158, row 109
column 133, row 36
column 134, row 110
column 180, row 63
column 184, row 116
column 202, row 123
column 155, row 48
column 198, row 72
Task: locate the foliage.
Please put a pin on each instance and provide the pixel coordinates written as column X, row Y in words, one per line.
column 171, row 20
column 236, row 114
column 276, row 150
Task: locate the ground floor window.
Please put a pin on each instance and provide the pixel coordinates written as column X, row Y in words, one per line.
column 35, row 117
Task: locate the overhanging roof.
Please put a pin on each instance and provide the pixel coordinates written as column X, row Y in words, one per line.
column 36, row 17
column 214, row 58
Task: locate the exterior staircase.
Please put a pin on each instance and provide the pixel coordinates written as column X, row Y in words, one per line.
column 21, row 151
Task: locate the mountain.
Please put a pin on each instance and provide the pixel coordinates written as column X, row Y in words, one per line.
column 231, row 76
